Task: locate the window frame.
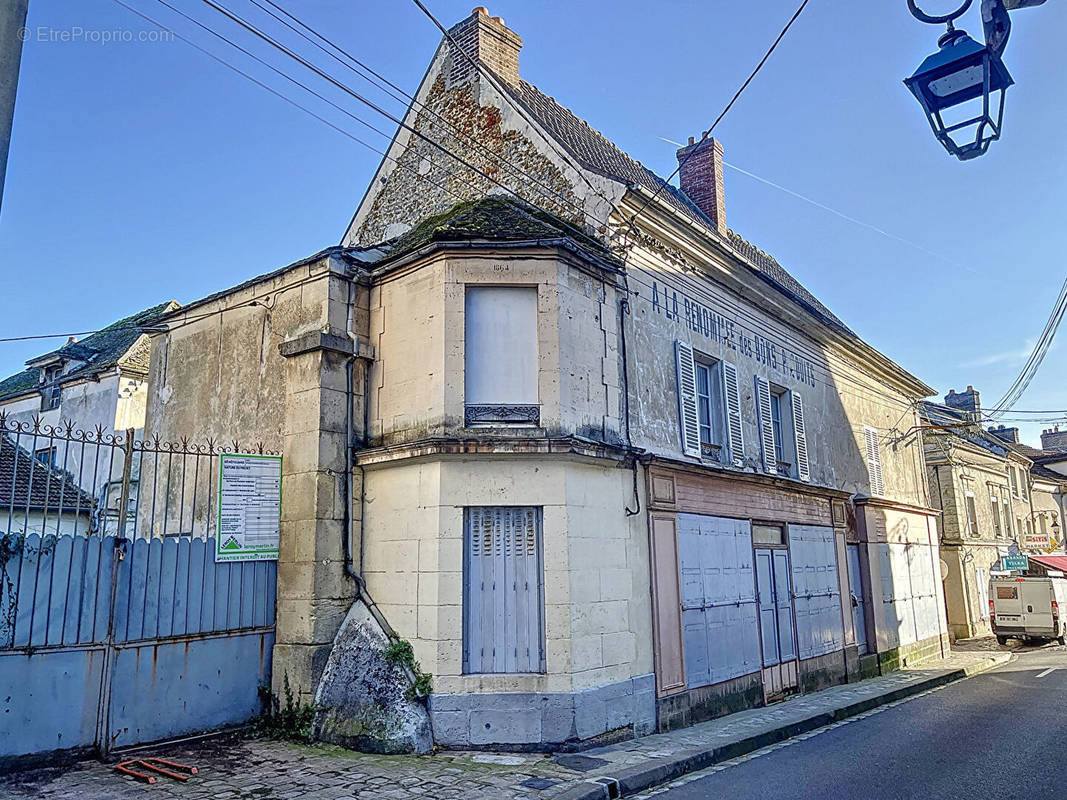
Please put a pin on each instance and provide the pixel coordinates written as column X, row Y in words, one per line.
column 971, row 504
column 495, row 414
column 709, row 367
column 51, row 391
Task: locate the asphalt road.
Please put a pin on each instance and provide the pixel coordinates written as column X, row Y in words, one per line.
column 998, row 735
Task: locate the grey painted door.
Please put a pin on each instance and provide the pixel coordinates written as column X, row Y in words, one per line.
column 503, row 620
column 720, row 630
column 859, row 610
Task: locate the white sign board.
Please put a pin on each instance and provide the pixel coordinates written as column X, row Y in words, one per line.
column 250, row 507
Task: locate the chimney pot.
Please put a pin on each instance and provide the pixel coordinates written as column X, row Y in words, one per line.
column 701, row 178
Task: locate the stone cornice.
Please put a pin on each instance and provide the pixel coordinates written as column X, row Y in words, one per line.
column 443, row 447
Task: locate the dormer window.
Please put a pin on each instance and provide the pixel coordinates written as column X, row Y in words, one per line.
column 51, row 391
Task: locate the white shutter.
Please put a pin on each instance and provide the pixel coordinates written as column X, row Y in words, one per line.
column 800, row 438
column 874, row 460
column 688, row 419
column 766, row 426
column 732, row 403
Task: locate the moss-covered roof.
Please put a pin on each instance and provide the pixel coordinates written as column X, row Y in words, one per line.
column 494, row 218
column 100, row 351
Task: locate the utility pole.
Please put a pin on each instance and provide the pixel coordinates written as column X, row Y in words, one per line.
column 12, row 34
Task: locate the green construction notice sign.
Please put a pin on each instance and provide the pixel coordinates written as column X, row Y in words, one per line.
column 250, row 507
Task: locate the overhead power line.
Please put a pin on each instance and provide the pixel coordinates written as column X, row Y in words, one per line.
column 1033, row 363
column 723, row 113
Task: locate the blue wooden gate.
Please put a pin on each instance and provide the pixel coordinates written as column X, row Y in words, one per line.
column 119, row 629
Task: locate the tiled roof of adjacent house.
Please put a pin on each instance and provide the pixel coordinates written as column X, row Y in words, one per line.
column 34, row 485
column 595, row 152
column 102, row 350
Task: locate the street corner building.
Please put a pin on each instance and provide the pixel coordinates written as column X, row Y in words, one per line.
column 604, row 464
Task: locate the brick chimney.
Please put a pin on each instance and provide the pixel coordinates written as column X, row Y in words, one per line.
column 701, row 178
column 1053, row 439
column 488, row 40
column 965, row 401
column 1006, row 434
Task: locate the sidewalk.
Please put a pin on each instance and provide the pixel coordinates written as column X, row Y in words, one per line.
column 250, row 769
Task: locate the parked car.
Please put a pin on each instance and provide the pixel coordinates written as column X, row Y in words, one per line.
column 1028, row 608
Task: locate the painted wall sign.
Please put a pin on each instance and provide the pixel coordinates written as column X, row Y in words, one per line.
column 250, row 507
column 709, row 323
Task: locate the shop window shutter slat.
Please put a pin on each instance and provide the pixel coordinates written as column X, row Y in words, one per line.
column 689, row 420
column 800, row 438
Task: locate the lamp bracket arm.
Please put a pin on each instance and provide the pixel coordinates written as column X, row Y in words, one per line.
column 942, row 19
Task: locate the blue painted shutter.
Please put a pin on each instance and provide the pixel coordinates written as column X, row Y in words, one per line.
column 800, row 438
column 766, row 426
column 820, row 628
column 768, row 615
column 732, row 404
column 689, row 420
column 874, row 460
column 784, row 603
column 718, row 601
column 503, row 606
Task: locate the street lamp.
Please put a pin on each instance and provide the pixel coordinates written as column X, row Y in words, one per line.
column 960, row 72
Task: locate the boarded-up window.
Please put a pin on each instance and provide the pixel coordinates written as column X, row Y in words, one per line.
column 503, row 603
column 500, row 354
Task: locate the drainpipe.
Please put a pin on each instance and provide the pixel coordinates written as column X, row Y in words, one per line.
column 346, row 483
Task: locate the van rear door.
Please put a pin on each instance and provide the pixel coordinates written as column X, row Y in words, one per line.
column 1007, row 602
column 1036, row 599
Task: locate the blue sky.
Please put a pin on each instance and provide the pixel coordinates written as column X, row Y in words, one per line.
column 144, row 171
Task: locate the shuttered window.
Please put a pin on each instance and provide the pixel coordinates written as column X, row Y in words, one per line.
column 800, row 439
column 731, row 396
column 765, row 409
column 874, row 460
column 503, row 598
column 688, row 416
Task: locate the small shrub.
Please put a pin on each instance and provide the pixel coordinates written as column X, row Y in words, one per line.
column 399, row 652
column 292, row 721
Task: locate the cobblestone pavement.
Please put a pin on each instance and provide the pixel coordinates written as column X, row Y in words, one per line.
column 233, row 768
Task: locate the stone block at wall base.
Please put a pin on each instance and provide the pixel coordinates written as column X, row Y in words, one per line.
column 550, row 721
column 822, row 671
column 362, row 700
column 709, row 702
column 300, row 665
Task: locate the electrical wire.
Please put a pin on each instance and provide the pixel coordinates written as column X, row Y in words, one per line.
column 375, row 78
column 1033, row 363
column 723, row 113
column 369, row 103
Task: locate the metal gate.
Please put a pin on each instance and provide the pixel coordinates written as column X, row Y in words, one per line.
column 117, row 626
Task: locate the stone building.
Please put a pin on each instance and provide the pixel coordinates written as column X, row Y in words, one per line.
column 605, row 478
column 96, row 383
column 993, row 496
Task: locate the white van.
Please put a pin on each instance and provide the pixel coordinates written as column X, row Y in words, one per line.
column 1028, row 608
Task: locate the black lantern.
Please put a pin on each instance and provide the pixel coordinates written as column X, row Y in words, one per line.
column 960, row 75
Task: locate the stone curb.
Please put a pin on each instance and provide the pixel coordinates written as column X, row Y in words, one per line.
column 656, row 771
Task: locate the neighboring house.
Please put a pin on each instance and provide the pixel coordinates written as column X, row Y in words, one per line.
column 599, row 494
column 37, row 499
column 1040, row 530
column 992, row 497
column 96, row 384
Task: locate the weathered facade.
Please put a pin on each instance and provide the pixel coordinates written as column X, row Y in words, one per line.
column 993, row 496
column 604, row 478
